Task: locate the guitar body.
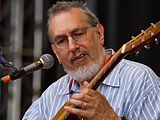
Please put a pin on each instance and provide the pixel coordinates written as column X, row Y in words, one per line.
column 73, row 117
column 63, row 115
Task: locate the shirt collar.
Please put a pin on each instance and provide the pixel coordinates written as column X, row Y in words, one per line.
column 113, row 77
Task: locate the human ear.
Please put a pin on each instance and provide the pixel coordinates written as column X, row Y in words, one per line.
column 100, row 30
column 54, row 50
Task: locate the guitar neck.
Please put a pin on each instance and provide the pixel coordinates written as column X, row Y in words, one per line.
column 98, row 79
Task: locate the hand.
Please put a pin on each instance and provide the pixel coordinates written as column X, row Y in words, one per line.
column 93, row 106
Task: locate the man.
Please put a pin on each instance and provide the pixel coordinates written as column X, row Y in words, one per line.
column 77, row 38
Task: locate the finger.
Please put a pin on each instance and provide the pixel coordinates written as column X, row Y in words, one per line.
column 79, row 103
column 86, row 95
column 81, row 96
column 79, row 112
column 90, row 92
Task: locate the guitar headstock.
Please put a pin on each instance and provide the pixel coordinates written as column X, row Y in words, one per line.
column 143, row 39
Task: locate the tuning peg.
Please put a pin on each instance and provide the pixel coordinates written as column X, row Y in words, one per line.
column 151, row 33
column 157, row 41
column 153, row 25
column 147, row 46
column 142, row 39
column 144, row 32
column 132, row 37
column 132, row 45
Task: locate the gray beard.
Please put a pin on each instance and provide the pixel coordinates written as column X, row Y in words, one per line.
column 84, row 73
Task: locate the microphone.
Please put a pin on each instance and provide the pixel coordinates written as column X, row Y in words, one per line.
column 46, row 61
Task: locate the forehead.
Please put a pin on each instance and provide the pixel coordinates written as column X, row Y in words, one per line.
column 66, row 21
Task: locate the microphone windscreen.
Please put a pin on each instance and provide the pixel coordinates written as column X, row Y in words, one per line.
column 47, row 60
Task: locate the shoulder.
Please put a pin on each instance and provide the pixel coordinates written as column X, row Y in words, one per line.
column 32, row 112
column 137, row 70
column 136, row 65
column 60, row 82
column 57, row 86
column 41, row 107
column 140, row 83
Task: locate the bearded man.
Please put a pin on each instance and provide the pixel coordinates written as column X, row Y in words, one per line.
column 77, row 38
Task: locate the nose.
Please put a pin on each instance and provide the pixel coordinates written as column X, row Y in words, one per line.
column 72, row 45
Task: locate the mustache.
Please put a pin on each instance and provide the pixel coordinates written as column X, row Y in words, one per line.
column 77, row 54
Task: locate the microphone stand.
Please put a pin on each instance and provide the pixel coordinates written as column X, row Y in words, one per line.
column 12, row 70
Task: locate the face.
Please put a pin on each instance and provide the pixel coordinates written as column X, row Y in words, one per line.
column 81, row 53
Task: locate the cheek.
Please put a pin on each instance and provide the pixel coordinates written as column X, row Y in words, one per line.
column 64, row 58
column 96, row 49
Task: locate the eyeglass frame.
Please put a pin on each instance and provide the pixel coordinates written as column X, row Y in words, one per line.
column 71, row 34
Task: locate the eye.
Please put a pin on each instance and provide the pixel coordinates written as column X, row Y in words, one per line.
column 78, row 34
column 60, row 40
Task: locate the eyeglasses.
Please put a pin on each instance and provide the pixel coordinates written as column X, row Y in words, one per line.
column 79, row 34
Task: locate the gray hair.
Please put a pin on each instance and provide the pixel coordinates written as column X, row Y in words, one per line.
column 61, row 6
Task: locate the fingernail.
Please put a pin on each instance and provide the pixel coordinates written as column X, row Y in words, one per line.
column 65, row 107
